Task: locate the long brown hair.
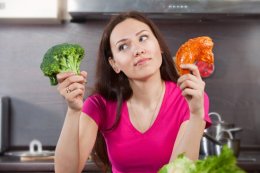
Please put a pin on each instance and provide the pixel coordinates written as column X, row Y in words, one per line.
column 116, row 87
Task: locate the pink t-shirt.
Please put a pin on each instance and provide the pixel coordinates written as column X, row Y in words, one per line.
column 131, row 151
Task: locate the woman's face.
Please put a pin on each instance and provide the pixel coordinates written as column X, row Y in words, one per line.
column 135, row 49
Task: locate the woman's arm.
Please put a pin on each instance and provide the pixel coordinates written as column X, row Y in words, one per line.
column 75, row 143
column 79, row 131
column 87, row 136
column 191, row 131
column 67, row 149
column 188, row 139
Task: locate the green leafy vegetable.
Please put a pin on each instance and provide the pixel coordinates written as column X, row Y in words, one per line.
column 63, row 57
column 224, row 163
column 181, row 165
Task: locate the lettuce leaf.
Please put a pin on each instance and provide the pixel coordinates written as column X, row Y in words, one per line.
column 225, row 162
column 181, row 165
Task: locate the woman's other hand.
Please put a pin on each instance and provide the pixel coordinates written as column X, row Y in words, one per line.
column 192, row 87
column 72, row 88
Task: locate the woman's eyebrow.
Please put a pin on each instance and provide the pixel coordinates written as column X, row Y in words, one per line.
column 124, row 39
column 138, row 33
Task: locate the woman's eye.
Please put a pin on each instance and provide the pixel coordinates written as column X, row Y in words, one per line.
column 122, row 47
column 143, row 38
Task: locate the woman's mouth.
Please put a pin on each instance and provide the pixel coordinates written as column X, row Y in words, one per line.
column 142, row 61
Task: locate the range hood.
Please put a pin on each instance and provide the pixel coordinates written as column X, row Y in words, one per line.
column 87, row 9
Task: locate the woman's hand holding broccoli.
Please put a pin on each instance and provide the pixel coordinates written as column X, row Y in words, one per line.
column 61, row 63
column 72, row 87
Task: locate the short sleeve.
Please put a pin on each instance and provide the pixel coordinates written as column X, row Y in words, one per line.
column 206, row 110
column 94, row 107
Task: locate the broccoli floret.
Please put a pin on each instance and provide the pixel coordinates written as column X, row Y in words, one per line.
column 63, row 57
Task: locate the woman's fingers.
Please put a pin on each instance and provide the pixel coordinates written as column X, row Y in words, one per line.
column 84, row 74
column 188, row 81
column 70, row 80
column 186, row 77
column 70, row 96
column 191, row 80
column 73, row 87
column 192, row 87
column 189, row 84
column 193, row 68
column 62, row 76
column 191, row 92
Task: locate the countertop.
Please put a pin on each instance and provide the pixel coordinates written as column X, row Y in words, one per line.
column 249, row 161
column 13, row 164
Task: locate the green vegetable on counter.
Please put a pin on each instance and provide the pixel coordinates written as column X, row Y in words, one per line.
column 224, row 163
column 63, row 57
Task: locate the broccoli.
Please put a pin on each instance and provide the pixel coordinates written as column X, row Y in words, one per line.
column 63, row 57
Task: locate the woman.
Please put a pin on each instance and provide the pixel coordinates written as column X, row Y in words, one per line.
column 147, row 114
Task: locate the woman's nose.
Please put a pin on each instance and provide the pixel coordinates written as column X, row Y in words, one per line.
column 138, row 51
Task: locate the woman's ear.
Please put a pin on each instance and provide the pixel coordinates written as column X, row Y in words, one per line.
column 113, row 65
column 161, row 50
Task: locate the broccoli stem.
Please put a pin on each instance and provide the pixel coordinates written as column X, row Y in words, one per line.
column 70, row 64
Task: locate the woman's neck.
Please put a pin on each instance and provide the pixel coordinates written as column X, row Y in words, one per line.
column 145, row 92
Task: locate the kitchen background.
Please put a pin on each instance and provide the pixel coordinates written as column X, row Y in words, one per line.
column 37, row 110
